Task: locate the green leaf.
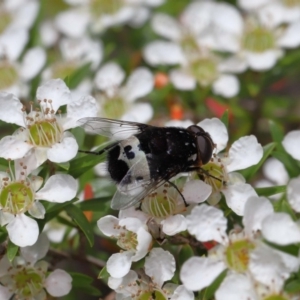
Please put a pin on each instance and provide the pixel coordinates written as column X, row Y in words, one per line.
column 251, row 171
column 293, row 286
column 209, row 292
column 65, row 165
column 276, row 131
column 270, row 191
column 225, row 118
column 82, row 164
column 83, row 282
column 79, row 218
column 96, row 204
column 185, row 253
column 78, row 75
column 290, row 249
column 12, row 251
column 103, row 275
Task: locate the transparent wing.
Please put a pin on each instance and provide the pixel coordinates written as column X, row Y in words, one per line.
column 136, row 185
column 114, row 129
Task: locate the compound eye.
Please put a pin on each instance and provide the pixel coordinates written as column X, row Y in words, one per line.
column 205, row 147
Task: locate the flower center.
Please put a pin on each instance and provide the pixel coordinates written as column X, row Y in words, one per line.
column 8, row 73
column 275, row 297
column 258, row 40
column 237, row 254
column 63, row 69
column 291, row 3
column 25, row 282
column 104, row 7
column 16, row 197
column 114, row 108
column 45, row 133
column 5, row 19
column 127, row 240
column 157, row 295
column 160, row 204
column 216, row 175
column 204, row 70
column 189, row 45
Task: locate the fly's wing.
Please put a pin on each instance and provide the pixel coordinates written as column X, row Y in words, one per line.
column 136, row 185
column 114, row 129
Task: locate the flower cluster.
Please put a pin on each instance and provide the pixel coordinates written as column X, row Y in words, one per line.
column 79, row 81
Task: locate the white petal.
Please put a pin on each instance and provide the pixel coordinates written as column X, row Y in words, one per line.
column 109, row 77
column 141, row 15
column 37, row 251
column 48, row 33
column 207, row 223
column 85, row 106
column 139, row 112
column 13, row 148
column 237, row 195
column 174, row 224
column 63, row 151
column 139, row 84
column 109, row 225
column 236, row 287
column 58, row 283
column 23, row 231
column 144, row 240
column 72, row 23
column 37, row 210
column 274, row 170
column 163, row 53
column 279, row 228
column 118, row 265
column 227, row 86
column 166, row 26
column 253, row 4
column 197, row 16
column 244, row 152
column 33, row 61
column 267, row 267
column 12, row 42
column 217, row 131
column 182, row 80
column 293, row 193
column 160, row 265
column 11, row 109
column 199, row 272
column 182, row 293
column 256, row 210
column 196, row 191
column 262, row 61
column 5, row 293
column 55, row 90
column 291, row 37
column 58, row 188
column 235, row 64
column 5, row 218
column 291, row 143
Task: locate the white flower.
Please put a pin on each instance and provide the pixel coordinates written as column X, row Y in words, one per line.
column 27, row 277
column 159, row 267
column 240, row 252
column 74, row 53
column 291, row 143
column 16, row 20
column 132, row 236
column 117, row 100
column 43, row 134
column 242, row 154
column 16, row 75
column 198, row 63
column 20, row 194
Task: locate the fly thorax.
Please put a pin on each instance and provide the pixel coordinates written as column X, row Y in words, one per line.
column 43, row 127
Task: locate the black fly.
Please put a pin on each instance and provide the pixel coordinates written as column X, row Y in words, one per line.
column 142, row 157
